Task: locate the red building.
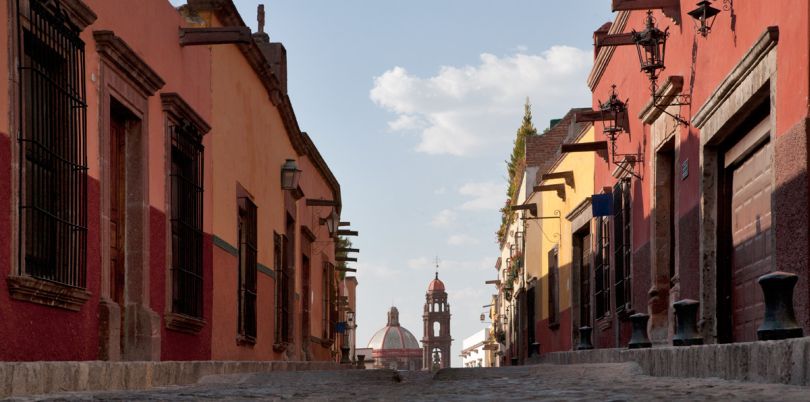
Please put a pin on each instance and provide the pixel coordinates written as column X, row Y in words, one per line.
column 142, row 222
column 703, row 169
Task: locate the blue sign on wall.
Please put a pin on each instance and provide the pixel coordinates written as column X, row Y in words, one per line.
column 340, row 327
column 602, row 204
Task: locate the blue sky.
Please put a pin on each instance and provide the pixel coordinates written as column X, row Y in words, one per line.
column 414, row 105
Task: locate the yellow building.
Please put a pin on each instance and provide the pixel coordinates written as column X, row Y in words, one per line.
column 558, row 240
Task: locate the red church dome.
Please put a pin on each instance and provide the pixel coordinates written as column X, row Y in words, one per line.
column 436, row 285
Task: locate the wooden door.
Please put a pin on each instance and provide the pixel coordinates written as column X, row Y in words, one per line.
column 751, row 238
column 117, row 209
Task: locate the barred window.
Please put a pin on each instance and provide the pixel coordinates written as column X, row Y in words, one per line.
column 622, row 249
column 602, row 268
column 284, row 282
column 553, row 288
column 325, row 292
column 186, row 177
column 247, row 269
column 52, row 147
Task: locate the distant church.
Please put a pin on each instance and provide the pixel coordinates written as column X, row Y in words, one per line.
column 394, row 347
column 436, row 339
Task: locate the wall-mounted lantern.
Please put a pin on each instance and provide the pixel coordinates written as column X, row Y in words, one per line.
column 651, row 44
column 613, row 113
column 290, row 174
column 703, row 17
column 331, row 222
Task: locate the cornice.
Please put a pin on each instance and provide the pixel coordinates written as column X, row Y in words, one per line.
column 227, row 14
column 606, row 53
column 767, row 41
column 175, row 105
column 79, row 13
column 117, row 52
column 315, row 157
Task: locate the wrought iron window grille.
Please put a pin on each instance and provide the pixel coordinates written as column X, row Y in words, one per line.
column 52, row 139
column 186, row 182
column 248, row 268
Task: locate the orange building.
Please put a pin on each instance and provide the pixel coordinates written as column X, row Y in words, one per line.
column 142, row 172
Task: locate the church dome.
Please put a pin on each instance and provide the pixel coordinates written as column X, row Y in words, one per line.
column 436, row 285
column 393, row 336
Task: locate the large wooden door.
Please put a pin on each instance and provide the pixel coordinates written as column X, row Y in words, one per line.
column 117, row 208
column 751, row 238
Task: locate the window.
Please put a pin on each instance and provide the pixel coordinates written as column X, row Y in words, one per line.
column 186, row 178
column 52, row 148
column 285, row 277
column 247, row 269
column 602, row 268
column 553, row 288
column 326, row 291
column 622, row 244
column 279, row 242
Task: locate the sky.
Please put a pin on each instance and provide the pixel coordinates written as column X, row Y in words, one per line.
column 414, row 105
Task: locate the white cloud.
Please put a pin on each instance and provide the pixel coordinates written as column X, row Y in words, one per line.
column 488, row 196
column 445, row 218
column 462, row 240
column 465, row 110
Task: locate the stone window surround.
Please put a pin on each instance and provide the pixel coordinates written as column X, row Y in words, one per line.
column 23, row 287
column 715, row 120
column 580, row 220
column 664, row 129
column 175, row 110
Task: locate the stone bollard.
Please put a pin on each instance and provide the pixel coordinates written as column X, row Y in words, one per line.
column 780, row 320
column 639, row 338
column 686, row 313
column 535, row 348
column 361, row 361
column 585, row 338
column 344, row 355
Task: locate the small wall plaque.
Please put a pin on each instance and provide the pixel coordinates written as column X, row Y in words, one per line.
column 684, row 169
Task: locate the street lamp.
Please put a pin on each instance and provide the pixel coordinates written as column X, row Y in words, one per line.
column 703, row 17
column 331, row 222
column 651, row 44
column 290, row 174
column 613, row 113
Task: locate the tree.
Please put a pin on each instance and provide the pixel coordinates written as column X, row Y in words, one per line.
column 342, row 242
column 515, row 165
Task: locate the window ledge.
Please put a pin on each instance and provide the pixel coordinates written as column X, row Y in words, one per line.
column 245, row 340
column 322, row 341
column 30, row 289
column 280, row 347
column 604, row 323
column 183, row 323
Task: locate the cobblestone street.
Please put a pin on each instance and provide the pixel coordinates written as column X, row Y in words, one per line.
column 613, row 382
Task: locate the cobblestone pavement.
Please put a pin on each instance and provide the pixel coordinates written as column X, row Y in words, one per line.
column 602, row 382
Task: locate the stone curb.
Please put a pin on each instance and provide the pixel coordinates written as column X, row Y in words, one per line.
column 781, row 362
column 37, row 378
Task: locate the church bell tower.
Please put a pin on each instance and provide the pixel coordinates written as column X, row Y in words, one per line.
column 436, row 339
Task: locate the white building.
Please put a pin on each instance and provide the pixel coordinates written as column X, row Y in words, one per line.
column 473, row 353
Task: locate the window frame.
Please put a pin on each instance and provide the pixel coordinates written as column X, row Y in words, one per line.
column 622, row 246
column 602, row 269
column 61, row 258
column 247, row 250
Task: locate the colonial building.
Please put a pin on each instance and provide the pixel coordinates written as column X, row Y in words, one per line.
column 394, row 347
column 161, row 201
column 436, row 338
column 685, row 183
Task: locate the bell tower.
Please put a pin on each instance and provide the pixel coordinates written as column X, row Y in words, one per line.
column 436, row 339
